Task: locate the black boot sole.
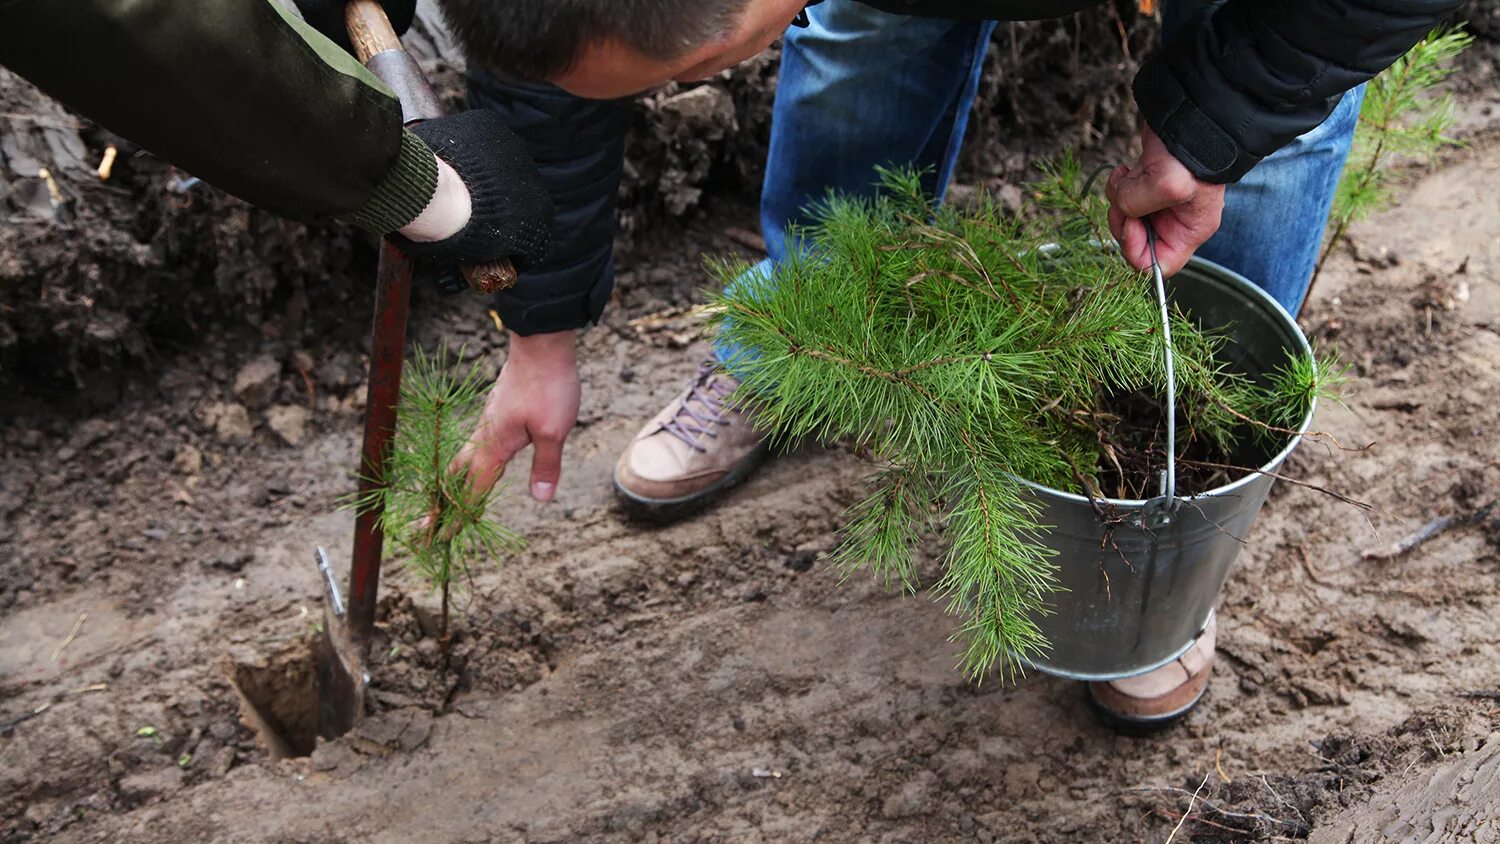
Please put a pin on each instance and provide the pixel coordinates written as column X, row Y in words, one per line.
column 1139, row 727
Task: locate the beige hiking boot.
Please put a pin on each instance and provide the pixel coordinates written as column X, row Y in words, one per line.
column 1156, row 700
column 695, row 449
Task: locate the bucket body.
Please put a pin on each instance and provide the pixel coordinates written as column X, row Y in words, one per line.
column 1140, row 582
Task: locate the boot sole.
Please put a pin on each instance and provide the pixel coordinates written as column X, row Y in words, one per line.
column 1131, row 727
column 662, row 510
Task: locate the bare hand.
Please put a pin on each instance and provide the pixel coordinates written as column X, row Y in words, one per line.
column 1184, row 211
column 535, row 402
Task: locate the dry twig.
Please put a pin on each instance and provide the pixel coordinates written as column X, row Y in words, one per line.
column 1428, row 531
column 1360, row 505
column 77, row 625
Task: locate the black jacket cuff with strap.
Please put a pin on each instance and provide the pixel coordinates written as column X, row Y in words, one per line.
column 1244, row 78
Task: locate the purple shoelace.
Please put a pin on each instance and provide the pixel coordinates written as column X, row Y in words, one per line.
column 708, row 392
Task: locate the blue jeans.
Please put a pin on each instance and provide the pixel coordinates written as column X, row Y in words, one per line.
column 862, row 88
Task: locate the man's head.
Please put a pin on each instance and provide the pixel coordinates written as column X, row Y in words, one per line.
column 614, row 48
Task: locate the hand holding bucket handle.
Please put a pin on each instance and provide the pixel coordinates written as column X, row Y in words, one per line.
column 378, row 47
column 1161, row 514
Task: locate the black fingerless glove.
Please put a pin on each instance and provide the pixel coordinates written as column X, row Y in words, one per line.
column 512, row 210
column 327, row 17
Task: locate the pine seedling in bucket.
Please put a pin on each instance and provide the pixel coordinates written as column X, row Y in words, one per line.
column 969, row 353
column 441, row 529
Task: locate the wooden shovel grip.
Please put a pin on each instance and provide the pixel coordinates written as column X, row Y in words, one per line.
column 371, row 33
column 369, row 29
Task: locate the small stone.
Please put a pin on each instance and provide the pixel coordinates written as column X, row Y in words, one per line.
column 802, row 559
column 221, row 762
column 188, row 460
column 256, row 382
column 394, row 700
column 203, row 753
column 289, row 422
column 144, row 785
column 330, row 756
column 89, row 433
column 154, row 533
column 1011, row 200
column 707, row 109
column 233, row 424
column 232, row 563
column 418, row 730
column 383, row 734
column 911, row 799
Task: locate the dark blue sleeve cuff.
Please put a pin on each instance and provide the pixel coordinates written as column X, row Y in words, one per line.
column 579, row 149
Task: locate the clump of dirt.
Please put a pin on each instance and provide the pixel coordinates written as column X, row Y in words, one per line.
column 1286, row 806
column 121, row 272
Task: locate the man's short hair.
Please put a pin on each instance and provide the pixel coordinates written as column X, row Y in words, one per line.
column 542, row 39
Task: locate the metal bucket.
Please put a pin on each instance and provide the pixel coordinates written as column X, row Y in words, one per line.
column 1140, row 588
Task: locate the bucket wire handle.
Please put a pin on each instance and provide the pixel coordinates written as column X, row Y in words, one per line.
column 1169, row 475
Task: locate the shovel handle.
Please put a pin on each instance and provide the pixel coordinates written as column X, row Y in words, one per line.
column 378, row 47
column 369, row 29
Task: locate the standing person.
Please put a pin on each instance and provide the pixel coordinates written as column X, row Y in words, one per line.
column 1248, row 114
column 1245, row 93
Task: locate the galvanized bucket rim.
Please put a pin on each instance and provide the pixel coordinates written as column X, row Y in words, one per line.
column 1303, row 346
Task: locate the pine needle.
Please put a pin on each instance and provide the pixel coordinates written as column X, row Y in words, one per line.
column 1401, row 117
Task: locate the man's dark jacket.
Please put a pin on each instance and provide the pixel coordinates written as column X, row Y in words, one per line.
column 257, row 103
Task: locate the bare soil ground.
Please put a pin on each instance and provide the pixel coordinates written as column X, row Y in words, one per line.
column 712, row 680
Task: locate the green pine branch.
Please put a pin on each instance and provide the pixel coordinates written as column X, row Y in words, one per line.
column 965, row 350
column 1401, row 118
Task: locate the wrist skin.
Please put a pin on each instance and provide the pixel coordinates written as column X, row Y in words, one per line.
column 447, row 212
column 556, row 347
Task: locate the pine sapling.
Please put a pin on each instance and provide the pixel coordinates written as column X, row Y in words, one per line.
column 967, row 351
column 441, row 529
column 1401, row 117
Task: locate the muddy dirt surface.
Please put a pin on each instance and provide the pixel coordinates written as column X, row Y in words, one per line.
column 713, row 680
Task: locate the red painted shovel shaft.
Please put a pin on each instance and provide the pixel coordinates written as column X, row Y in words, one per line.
column 387, row 353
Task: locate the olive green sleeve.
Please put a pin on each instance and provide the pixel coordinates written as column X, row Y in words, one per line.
column 237, row 92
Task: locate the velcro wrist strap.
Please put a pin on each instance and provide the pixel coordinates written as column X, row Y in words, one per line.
column 1202, row 145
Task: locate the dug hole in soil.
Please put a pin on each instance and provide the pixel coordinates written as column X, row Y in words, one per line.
column 711, row 680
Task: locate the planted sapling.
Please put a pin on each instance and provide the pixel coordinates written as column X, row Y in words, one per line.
column 440, row 527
